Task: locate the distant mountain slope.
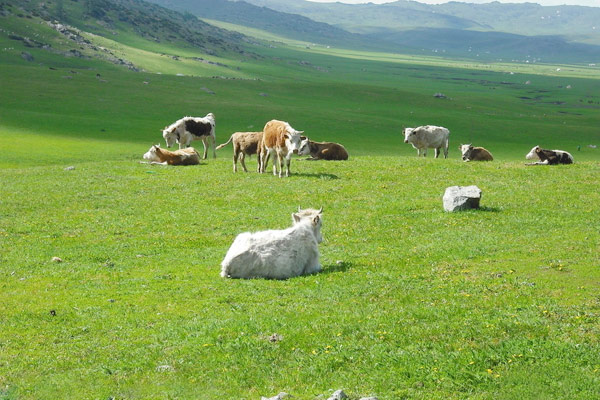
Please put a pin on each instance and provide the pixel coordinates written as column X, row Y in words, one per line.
column 492, row 45
column 284, row 24
column 395, row 27
column 523, row 19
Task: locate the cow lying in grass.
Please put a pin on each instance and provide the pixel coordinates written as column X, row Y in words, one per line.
column 322, row 150
column 187, row 156
column 244, row 144
column 277, row 254
column 549, row 157
column 470, row 153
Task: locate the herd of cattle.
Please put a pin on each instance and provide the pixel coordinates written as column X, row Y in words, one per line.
column 282, row 254
column 281, row 140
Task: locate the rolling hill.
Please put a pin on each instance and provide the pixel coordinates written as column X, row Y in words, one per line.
column 97, row 28
column 281, row 23
column 484, row 32
column 109, row 268
column 522, row 19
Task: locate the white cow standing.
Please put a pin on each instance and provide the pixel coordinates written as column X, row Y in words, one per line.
column 277, row 254
column 428, row 136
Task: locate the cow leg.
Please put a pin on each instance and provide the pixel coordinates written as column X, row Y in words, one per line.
column 205, row 144
column 437, row 152
column 213, row 141
column 288, row 160
column 425, row 152
column 446, row 149
column 277, row 161
column 264, row 161
column 242, row 161
column 235, row 158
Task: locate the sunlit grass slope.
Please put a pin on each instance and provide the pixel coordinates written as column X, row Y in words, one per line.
column 412, row 302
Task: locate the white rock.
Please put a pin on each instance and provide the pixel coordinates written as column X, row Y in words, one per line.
column 338, row 395
column 458, row 198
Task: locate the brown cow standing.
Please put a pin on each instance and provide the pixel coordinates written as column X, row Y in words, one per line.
column 244, row 144
column 281, row 138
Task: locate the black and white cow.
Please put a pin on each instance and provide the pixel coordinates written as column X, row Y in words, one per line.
column 186, row 129
column 549, row 157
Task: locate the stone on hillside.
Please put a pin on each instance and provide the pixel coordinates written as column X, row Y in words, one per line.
column 369, row 398
column 457, row 198
column 27, row 56
column 338, row 395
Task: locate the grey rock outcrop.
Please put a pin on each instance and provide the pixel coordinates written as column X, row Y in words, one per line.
column 457, row 198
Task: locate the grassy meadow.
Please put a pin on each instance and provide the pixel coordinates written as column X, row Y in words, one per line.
column 412, row 303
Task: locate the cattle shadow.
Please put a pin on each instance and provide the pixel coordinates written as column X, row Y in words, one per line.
column 339, row 266
column 315, row 175
column 487, row 209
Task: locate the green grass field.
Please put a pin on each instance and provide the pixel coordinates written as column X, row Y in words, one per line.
column 412, row 303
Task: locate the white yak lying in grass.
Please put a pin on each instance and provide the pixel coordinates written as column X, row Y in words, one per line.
column 277, row 254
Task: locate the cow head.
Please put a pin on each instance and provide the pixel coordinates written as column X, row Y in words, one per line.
column 151, row 155
column 211, row 118
column 408, row 132
column 466, row 150
column 304, row 149
column 170, row 135
column 532, row 155
column 293, row 139
column 312, row 216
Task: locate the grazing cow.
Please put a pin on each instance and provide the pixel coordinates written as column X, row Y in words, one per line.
column 244, row 144
column 428, row 136
column 549, row 157
column 470, row 153
column 322, row 150
column 281, row 138
column 186, row 129
column 187, row 156
column 277, row 254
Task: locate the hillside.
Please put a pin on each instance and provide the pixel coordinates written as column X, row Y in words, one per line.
column 289, row 25
column 498, row 46
column 523, row 19
column 100, row 28
column 404, row 27
column 109, row 268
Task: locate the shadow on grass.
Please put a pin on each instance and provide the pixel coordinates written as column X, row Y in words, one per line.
column 313, row 175
column 340, row 266
column 488, row 209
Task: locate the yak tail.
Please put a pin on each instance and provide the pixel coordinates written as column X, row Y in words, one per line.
column 224, row 144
